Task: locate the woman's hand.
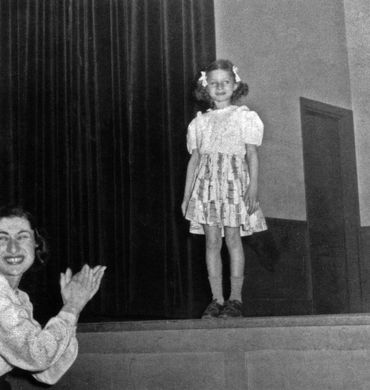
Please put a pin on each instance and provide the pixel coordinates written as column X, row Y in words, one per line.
column 250, row 200
column 78, row 289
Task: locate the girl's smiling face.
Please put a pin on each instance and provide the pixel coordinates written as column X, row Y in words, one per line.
column 221, row 86
column 17, row 248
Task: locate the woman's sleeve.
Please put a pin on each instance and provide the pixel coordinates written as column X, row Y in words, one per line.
column 252, row 127
column 191, row 137
column 48, row 352
column 56, row 370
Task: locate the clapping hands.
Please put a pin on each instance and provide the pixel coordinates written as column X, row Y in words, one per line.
column 78, row 289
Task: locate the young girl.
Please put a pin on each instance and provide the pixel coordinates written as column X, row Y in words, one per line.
column 220, row 197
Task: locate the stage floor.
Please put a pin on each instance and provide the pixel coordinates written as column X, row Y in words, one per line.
column 219, row 323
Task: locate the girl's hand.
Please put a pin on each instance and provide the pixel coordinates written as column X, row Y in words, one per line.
column 250, row 200
column 78, row 289
column 184, row 206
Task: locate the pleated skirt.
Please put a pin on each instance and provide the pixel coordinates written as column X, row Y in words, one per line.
column 217, row 197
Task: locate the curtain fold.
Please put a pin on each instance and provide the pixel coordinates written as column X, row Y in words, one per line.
column 95, row 101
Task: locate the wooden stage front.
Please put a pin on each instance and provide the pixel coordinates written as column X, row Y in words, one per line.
column 272, row 353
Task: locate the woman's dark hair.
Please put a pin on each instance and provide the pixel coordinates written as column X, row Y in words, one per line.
column 201, row 94
column 41, row 251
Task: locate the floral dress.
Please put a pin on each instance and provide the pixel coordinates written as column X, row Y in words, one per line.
column 221, row 178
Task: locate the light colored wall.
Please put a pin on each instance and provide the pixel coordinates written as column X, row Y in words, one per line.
column 357, row 16
column 285, row 49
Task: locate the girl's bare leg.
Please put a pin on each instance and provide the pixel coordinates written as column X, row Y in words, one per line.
column 237, row 261
column 214, row 262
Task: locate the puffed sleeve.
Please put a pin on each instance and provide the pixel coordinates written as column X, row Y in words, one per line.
column 252, row 126
column 48, row 351
column 191, row 137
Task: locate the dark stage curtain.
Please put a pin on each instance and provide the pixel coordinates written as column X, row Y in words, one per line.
column 95, row 101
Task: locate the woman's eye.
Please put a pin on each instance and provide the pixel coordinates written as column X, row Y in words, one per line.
column 3, row 239
column 23, row 237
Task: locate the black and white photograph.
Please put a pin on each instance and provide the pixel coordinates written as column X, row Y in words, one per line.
column 185, row 194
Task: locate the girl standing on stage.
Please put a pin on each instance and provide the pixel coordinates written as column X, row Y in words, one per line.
column 220, row 197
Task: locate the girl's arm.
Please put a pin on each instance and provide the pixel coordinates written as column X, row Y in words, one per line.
column 252, row 190
column 192, row 165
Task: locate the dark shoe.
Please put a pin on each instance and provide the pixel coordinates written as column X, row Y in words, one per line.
column 232, row 309
column 213, row 310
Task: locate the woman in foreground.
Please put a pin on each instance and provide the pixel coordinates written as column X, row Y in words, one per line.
column 50, row 351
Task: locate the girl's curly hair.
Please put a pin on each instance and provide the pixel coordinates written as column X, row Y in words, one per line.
column 201, row 94
column 42, row 250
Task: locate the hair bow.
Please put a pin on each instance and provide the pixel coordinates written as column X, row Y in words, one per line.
column 203, row 79
column 237, row 77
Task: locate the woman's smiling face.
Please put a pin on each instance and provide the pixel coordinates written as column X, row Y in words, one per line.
column 17, row 248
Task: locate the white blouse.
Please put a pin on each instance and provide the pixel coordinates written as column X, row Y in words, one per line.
column 47, row 352
column 225, row 130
